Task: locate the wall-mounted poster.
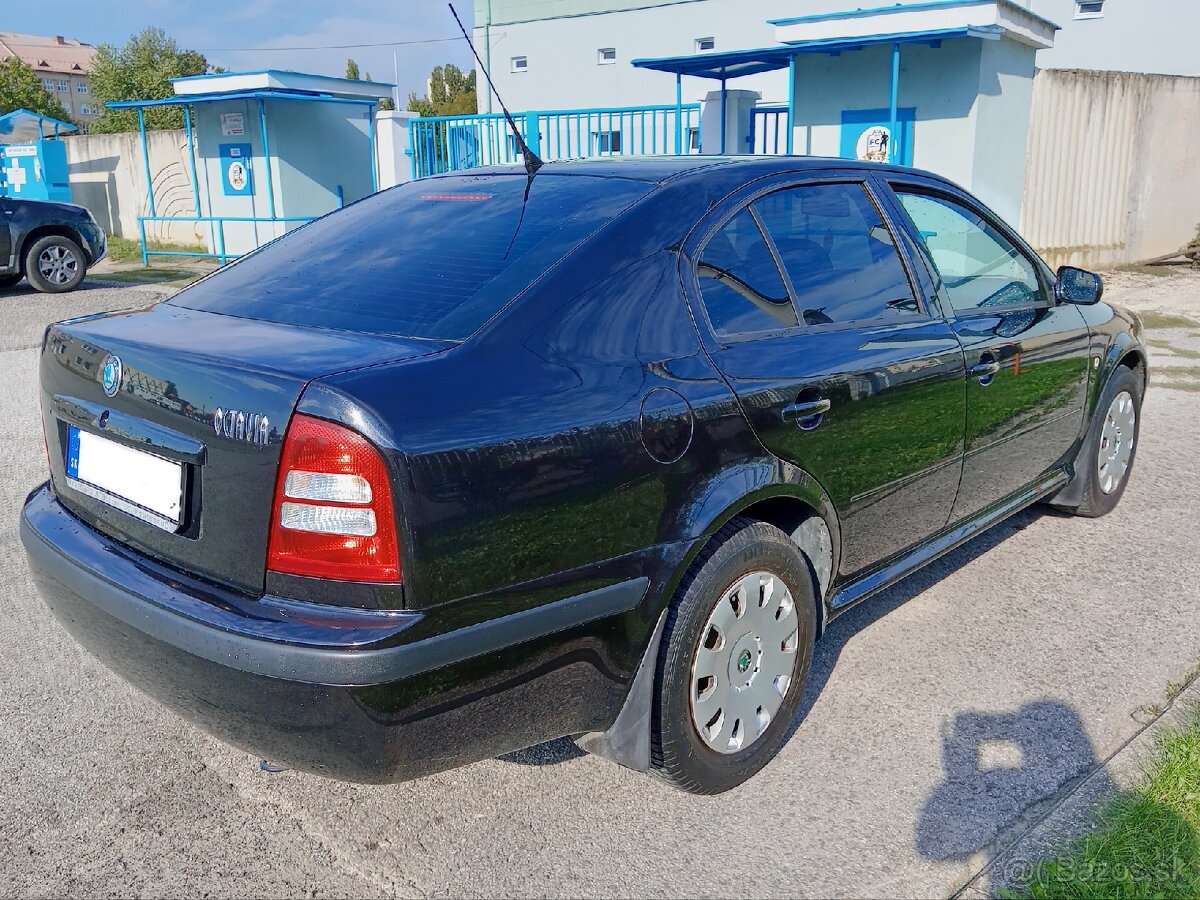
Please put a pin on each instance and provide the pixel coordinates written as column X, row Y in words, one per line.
column 867, row 135
column 233, row 124
column 237, row 177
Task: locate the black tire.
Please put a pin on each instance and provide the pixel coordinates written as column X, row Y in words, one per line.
column 55, row 244
column 679, row 754
column 7, row 281
column 1096, row 501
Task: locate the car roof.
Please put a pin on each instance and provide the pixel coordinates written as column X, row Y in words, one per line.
column 667, row 168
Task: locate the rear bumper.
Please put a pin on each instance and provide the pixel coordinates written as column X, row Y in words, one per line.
column 354, row 695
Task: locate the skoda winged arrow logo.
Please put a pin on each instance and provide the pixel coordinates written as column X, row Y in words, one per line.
column 743, row 661
column 110, row 375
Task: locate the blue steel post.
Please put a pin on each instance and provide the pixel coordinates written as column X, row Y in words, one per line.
column 412, row 148
column 532, row 138
column 791, row 112
column 723, row 129
column 146, row 167
column 894, row 140
column 371, row 141
column 678, row 114
column 187, row 127
column 142, row 238
column 262, row 130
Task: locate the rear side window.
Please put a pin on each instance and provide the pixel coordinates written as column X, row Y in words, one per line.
column 434, row 258
column 838, row 254
column 740, row 283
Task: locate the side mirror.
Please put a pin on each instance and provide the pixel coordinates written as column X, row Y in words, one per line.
column 1078, row 286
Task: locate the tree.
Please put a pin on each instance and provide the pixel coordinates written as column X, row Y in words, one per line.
column 141, row 70
column 352, row 70
column 20, row 88
column 451, row 93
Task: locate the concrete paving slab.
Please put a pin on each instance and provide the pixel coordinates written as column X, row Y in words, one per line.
column 942, row 717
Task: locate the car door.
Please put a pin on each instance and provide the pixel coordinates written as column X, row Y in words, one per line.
column 1027, row 355
column 6, row 213
column 810, row 314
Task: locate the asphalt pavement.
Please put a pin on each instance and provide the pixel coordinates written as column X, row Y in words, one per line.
column 945, row 717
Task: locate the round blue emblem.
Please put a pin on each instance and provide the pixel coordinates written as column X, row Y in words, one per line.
column 110, row 375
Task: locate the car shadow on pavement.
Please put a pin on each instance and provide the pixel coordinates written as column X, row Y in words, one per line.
column 999, row 771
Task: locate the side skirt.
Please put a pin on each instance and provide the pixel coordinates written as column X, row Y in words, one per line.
column 861, row 588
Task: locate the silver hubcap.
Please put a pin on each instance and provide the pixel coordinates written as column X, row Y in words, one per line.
column 1116, row 442
column 745, row 662
column 57, row 264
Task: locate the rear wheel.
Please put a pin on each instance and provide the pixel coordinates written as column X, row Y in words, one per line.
column 736, row 654
column 1111, row 445
column 55, row 264
column 7, row 281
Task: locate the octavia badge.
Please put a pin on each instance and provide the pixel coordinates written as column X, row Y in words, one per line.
column 110, row 375
column 242, row 426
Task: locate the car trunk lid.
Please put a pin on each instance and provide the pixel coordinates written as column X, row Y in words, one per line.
column 209, row 393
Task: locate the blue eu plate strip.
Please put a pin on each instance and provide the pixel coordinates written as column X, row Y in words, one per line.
column 73, row 452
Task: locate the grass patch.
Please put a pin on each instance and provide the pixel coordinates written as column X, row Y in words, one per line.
column 149, row 275
column 1167, row 320
column 1158, row 271
column 124, row 250
column 1147, row 842
column 1182, row 352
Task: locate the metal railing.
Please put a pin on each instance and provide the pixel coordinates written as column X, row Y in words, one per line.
column 768, row 130
column 451, row 143
column 218, row 233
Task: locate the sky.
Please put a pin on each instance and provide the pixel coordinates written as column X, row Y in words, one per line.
column 248, row 34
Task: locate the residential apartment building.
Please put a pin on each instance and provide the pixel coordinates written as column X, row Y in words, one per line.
column 553, row 54
column 64, row 66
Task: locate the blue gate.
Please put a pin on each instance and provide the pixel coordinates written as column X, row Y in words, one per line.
column 450, row 143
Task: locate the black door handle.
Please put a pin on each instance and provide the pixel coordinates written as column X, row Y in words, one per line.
column 985, row 370
column 808, row 414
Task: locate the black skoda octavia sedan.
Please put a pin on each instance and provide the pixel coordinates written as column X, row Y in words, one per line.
column 488, row 459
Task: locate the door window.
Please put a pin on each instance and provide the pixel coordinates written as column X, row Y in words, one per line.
column 979, row 267
column 741, row 286
column 838, row 254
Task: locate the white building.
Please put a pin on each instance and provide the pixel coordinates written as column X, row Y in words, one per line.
column 561, row 54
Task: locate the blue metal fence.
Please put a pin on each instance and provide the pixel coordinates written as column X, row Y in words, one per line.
column 768, row 130
column 450, row 143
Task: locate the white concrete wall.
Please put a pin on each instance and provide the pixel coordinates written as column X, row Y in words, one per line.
column 563, row 72
column 1155, row 36
column 391, row 142
column 107, row 176
column 943, row 135
column 1113, row 166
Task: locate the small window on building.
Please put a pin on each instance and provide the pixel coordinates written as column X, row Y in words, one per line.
column 693, row 140
column 1089, row 9
column 63, row 86
column 606, row 56
column 519, row 64
column 81, row 86
column 607, row 141
column 84, row 110
column 48, row 83
column 703, row 45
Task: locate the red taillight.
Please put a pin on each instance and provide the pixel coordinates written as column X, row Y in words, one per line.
column 333, row 506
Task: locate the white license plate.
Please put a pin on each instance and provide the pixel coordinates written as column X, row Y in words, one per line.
column 141, row 484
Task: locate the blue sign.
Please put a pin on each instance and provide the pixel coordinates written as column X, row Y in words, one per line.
column 867, row 134
column 237, row 178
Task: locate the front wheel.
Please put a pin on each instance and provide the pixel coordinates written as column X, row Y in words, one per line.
column 1109, row 452
column 55, row 264
column 735, row 658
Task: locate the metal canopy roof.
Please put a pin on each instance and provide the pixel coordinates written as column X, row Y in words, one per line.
column 23, row 125
column 265, row 94
column 736, row 63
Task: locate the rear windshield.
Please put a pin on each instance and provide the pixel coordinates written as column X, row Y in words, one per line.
column 434, row 258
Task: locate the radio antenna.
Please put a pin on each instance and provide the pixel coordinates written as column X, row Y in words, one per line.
column 532, row 161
